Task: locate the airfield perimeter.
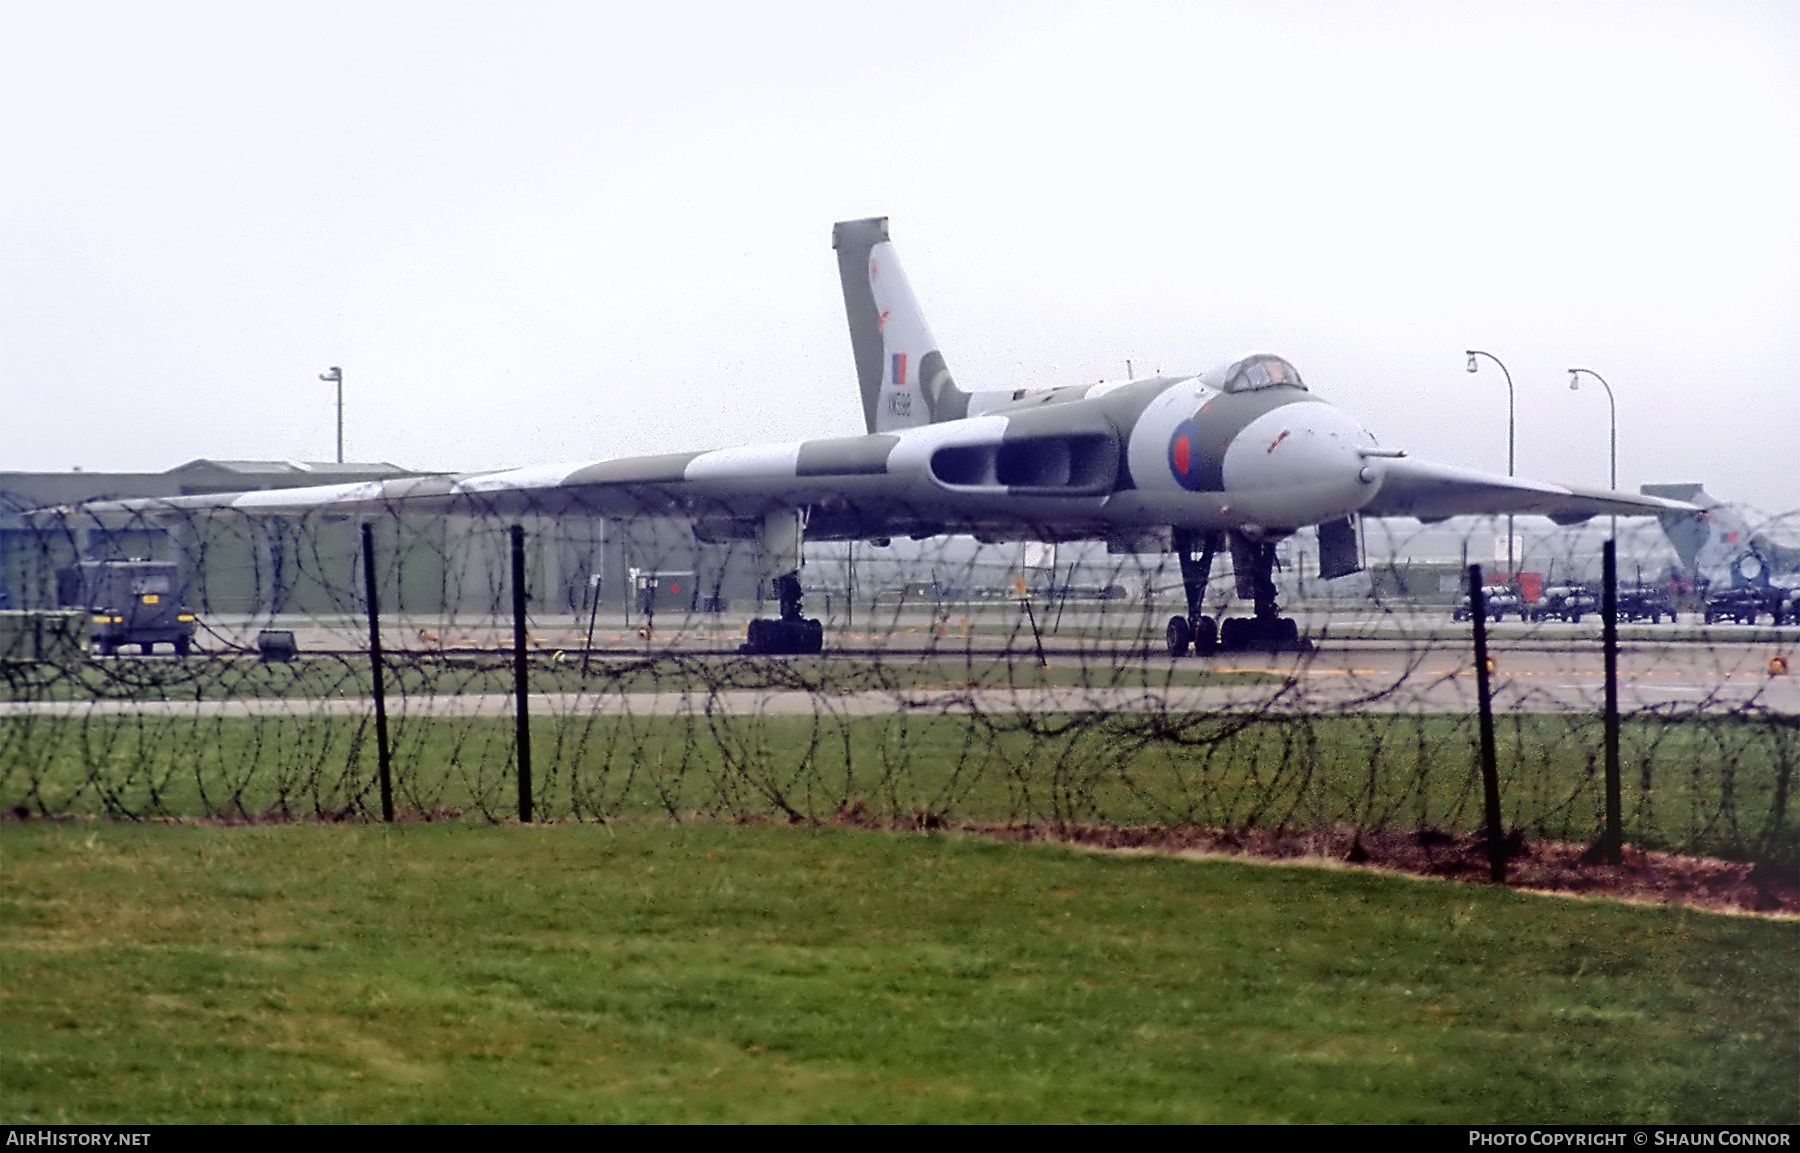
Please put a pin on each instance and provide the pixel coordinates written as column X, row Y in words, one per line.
column 974, row 705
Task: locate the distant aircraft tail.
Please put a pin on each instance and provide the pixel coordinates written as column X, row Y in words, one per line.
column 1717, row 544
column 898, row 366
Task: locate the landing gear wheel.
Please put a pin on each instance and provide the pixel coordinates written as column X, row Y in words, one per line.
column 1180, row 635
column 1260, row 634
column 803, row 637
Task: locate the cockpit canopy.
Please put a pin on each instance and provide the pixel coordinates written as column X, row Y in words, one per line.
column 1256, row 371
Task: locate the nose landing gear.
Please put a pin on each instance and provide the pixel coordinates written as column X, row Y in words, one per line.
column 1266, row 631
column 1196, row 629
column 1201, row 633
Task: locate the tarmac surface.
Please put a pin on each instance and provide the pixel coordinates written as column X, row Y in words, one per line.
column 1391, row 663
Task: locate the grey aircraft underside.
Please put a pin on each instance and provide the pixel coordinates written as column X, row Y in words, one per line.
column 1237, row 457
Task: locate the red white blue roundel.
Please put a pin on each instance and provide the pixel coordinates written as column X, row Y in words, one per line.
column 1184, row 455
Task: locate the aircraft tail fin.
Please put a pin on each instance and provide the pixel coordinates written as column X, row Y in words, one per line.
column 1717, row 544
column 901, row 372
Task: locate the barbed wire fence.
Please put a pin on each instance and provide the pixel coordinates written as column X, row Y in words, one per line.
column 960, row 681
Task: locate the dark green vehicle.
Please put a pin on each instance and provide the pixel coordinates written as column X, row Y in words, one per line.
column 1645, row 602
column 133, row 602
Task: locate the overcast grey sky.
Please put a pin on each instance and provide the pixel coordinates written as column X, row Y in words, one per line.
column 558, row 231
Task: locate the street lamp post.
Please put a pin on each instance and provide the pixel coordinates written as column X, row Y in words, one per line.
column 335, row 375
column 1511, row 437
column 1612, row 412
column 1612, row 417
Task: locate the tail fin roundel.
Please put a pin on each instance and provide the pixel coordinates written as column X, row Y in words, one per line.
column 901, row 372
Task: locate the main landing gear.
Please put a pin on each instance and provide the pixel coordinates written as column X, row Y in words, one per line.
column 1267, row 631
column 790, row 635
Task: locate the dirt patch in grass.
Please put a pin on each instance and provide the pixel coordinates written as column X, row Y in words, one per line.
column 1547, row 866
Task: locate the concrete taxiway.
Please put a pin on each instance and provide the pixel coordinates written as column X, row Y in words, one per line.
column 1532, row 672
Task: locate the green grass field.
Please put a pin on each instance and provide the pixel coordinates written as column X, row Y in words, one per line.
column 706, row 972
column 1716, row 786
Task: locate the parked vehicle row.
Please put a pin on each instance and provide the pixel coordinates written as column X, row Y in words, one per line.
column 1743, row 604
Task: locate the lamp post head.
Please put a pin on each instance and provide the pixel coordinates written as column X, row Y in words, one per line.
column 332, row 375
column 1472, row 364
column 1574, row 380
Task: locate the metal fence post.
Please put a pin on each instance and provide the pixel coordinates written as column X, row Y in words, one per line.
column 1490, row 771
column 381, row 727
column 520, row 680
column 1614, row 837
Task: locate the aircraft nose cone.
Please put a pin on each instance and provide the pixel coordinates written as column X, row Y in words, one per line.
column 1311, row 452
column 1299, row 444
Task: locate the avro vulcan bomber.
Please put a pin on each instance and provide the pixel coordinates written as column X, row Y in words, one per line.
column 1237, row 457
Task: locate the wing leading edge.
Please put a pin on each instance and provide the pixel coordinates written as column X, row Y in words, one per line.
column 1431, row 491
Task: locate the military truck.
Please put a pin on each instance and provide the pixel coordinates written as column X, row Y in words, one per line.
column 1498, row 600
column 133, row 602
column 1645, row 602
column 1741, row 603
column 1565, row 603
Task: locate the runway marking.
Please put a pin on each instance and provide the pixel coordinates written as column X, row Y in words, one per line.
column 1302, row 672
